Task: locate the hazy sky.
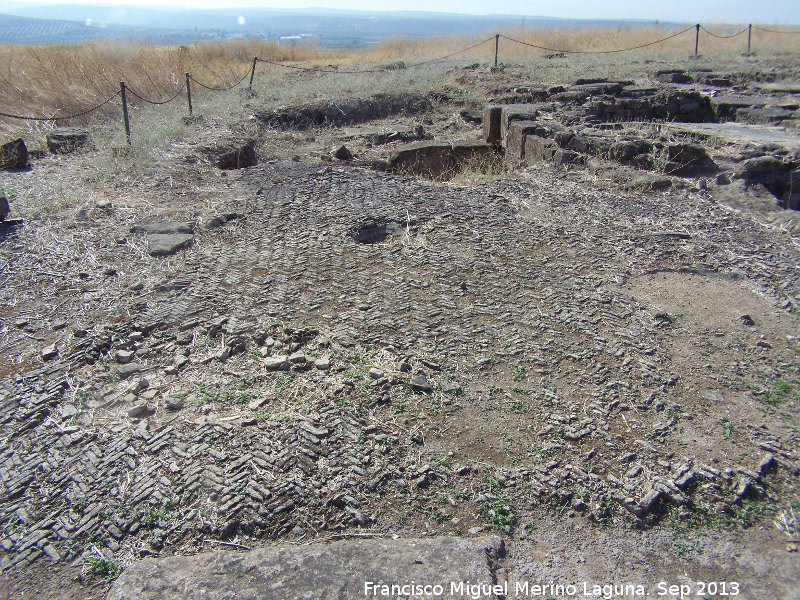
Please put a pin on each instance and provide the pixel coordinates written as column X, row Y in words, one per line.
column 739, row 11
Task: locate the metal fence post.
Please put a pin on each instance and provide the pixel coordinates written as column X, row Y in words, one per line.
column 125, row 112
column 189, row 94
column 253, row 73
column 749, row 32
column 696, row 37
column 496, row 46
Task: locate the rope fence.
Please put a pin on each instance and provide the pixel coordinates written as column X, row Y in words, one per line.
column 124, row 89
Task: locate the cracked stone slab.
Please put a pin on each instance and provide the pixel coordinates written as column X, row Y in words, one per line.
column 338, row 570
column 740, row 133
column 165, row 244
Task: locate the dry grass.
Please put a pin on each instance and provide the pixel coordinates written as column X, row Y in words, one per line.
column 65, row 79
column 590, row 39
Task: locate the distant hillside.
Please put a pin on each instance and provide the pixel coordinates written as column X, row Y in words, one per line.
column 21, row 30
column 68, row 22
column 24, row 30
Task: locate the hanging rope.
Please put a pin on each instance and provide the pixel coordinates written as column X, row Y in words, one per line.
column 724, row 37
column 597, row 51
column 128, row 88
column 213, row 89
column 80, row 114
column 774, row 30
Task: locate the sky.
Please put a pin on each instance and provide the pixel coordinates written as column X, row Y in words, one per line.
column 704, row 11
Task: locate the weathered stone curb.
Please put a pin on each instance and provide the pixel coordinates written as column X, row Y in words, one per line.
column 338, row 570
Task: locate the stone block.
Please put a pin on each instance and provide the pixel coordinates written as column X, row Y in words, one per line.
column 466, row 152
column 565, row 156
column 763, row 115
column 491, row 124
column 515, row 139
column 14, row 155
column 64, row 140
column 687, row 159
column 430, row 159
column 437, row 160
column 538, row 149
column 515, row 112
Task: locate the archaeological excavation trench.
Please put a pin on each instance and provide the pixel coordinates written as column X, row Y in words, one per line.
column 306, row 348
